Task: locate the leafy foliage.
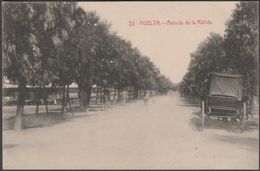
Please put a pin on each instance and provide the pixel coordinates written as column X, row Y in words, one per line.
column 241, row 44
column 235, row 53
column 59, row 43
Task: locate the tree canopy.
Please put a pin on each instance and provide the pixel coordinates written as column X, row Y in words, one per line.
column 235, row 53
column 59, row 43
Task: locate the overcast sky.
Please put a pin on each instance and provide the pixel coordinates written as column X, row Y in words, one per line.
column 168, row 46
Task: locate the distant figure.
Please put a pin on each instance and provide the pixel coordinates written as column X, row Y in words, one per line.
column 106, row 97
column 41, row 102
column 146, row 97
column 124, row 93
column 54, row 101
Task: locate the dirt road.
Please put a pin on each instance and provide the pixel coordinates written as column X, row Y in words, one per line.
column 164, row 134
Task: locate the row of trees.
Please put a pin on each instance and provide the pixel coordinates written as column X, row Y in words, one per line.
column 59, row 43
column 236, row 52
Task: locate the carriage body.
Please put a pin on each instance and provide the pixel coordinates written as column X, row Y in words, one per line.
column 225, row 98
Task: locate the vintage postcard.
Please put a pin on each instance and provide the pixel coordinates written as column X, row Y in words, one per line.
column 130, row 85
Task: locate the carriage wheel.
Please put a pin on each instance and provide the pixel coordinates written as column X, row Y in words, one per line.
column 243, row 118
column 242, row 126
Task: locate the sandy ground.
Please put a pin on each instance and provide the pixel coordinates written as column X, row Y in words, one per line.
column 165, row 134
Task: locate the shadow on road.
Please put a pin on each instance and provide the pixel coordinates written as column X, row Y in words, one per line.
column 53, row 118
column 229, row 126
column 247, row 143
column 7, row 146
column 35, row 121
column 242, row 140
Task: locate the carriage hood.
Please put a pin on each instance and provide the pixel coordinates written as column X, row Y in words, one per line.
column 226, row 84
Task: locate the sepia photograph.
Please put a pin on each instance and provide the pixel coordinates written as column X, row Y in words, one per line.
column 130, row 85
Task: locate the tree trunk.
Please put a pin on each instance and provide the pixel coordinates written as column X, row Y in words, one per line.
column 45, row 99
column 101, row 94
column 37, row 107
column 114, row 98
column 108, row 94
column 97, row 94
column 20, row 105
column 136, row 93
column 85, row 95
column 37, row 100
column 89, row 89
column 103, row 98
column 139, row 93
column 63, row 110
column 85, row 85
column 130, row 93
column 119, row 94
column 68, row 98
column 82, row 98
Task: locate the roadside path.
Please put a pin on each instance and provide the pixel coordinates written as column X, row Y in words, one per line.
column 161, row 135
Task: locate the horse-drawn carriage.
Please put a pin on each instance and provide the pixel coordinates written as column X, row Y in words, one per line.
column 225, row 99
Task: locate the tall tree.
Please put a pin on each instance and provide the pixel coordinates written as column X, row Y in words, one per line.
column 62, row 23
column 241, row 43
column 89, row 36
column 209, row 57
column 43, row 35
column 20, row 53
